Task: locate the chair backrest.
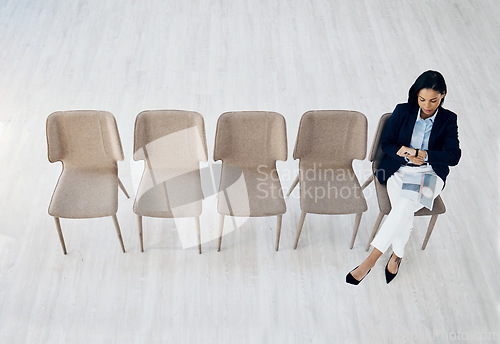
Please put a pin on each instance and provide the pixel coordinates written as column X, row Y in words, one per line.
column 250, row 138
column 172, row 138
column 332, row 137
column 376, row 152
column 83, row 139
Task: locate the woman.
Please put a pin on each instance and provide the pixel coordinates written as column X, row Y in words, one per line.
column 419, row 137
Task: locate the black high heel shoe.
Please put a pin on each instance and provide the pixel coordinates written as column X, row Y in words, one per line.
column 388, row 275
column 351, row 280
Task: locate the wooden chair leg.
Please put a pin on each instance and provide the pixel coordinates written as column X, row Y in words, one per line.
column 375, row 229
column 278, row 230
column 432, row 223
column 120, row 184
column 198, row 233
column 139, row 227
column 117, row 226
column 299, row 230
column 221, row 227
column 367, row 182
column 356, row 227
column 294, row 184
column 59, row 232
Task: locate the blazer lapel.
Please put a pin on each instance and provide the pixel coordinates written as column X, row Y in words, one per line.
column 412, row 118
column 436, row 127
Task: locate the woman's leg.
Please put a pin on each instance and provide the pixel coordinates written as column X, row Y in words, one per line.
column 367, row 264
column 383, row 239
column 398, row 224
column 401, row 237
column 396, row 228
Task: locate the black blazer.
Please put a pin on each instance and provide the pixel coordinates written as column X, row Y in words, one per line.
column 444, row 148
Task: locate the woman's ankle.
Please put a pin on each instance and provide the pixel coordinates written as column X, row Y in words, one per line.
column 368, row 263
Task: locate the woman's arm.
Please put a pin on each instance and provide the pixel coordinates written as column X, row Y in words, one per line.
column 389, row 140
column 451, row 153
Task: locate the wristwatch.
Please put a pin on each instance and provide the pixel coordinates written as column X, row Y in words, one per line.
column 416, row 152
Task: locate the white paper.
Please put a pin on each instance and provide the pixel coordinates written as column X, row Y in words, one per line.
column 420, row 188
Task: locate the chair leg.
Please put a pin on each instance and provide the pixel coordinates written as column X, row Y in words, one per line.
column 294, row 184
column 59, row 232
column 367, row 182
column 356, row 227
column 139, row 227
column 120, row 184
column 299, row 230
column 375, row 229
column 278, row 230
column 198, row 233
column 432, row 223
column 221, row 227
column 117, row 226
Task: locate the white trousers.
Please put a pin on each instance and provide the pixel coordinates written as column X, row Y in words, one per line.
column 397, row 226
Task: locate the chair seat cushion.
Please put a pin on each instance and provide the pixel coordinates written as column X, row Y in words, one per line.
column 250, row 191
column 85, row 194
column 330, row 190
column 169, row 193
column 437, row 209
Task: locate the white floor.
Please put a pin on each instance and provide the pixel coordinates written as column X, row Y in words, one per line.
column 216, row 56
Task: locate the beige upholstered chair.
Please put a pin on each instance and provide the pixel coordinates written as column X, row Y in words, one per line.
column 88, row 145
column 327, row 142
column 384, row 204
column 249, row 144
column 172, row 143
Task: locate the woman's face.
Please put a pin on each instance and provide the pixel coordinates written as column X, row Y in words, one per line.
column 429, row 100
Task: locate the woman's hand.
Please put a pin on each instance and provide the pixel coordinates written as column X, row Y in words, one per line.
column 416, row 160
column 409, row 153
column 406, row 151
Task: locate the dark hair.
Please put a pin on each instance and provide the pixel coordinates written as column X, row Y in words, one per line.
column 430, row 79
